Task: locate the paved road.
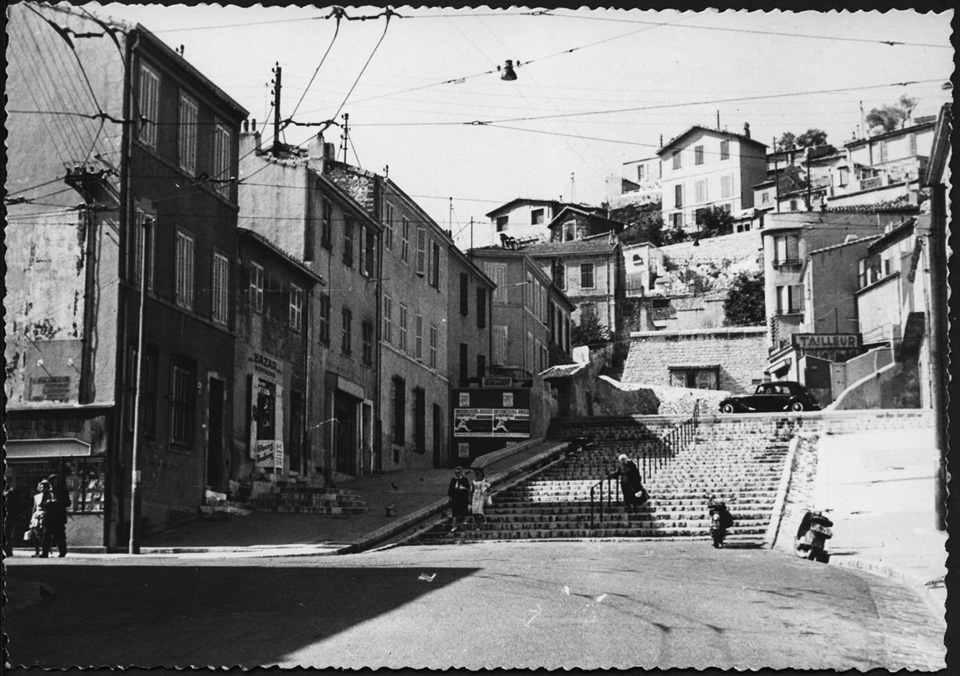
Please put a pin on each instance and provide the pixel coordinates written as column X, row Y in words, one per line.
column 574, row 604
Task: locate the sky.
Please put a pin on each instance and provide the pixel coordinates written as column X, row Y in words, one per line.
column 595, row 88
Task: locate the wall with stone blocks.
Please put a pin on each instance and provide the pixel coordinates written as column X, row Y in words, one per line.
column 740, row 352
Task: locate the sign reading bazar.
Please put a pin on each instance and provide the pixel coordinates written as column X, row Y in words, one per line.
column 266, row 365
column 826, row 341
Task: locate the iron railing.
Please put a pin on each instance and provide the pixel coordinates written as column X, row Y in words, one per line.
column 653, row 457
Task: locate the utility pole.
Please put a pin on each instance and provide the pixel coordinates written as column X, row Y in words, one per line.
column 345, row 136
column 278, row 74
column 471, row 232
column 776, row 175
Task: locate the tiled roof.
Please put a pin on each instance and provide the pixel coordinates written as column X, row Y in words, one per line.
column 254, row 235
column 840, row 245
column 716, row 132
column 601, row 245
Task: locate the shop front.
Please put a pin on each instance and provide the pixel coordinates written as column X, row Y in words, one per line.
column 70, row 443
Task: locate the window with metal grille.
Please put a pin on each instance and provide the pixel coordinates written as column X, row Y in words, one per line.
column 222, row 144
column 220, row 311
column 387, row 318
column 323, row 319
column 346, row 335
column 185, row 263
column 366, row 330
column 149, row 104
column 182, row 404
column 296, row 307
column 256, row 287
column 187, row 135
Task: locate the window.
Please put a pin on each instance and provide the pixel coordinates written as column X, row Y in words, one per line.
column 348, row 242
column 724, row 150
column 296, row 307
column 324, row 319
column 346, row 335
column 388, row 226
column 640, row 172
column 149, row 104
column 883, row 151
column 676, row 159
column 184, row 286
column 786, row 249
column 843, row 176
column 696, row 379
column 421, row 250
column 399, row 410
column 182, row 396
column 221, row 158
column 500, row 334
column 528, row 354
column 676, row 220
column 678, row 195
column 434, row 265
column 434, row 337
column 536, row 216
column 265, row 412
column 418, row 337
column 726, row 186
column 498, row 273
column 588, row 311
column 481, row 308
column 481, row 365
column 387, row 318
column 369, row 252
column 403, row 327
column 366, row 335
column 502, row 223
column 789, row 299
column 326, row 224
column 256, row 287
column 700, row 190
column 698, row 155
column 463, row 365
column 793, row 205
column 464, row 294
column 528, row 292
column 143, row 233
column 404, row 239
column 765, row 197
column 187, row 135
column 912, row 144
column 220, row 312
column 560, row 274
column 586, row 276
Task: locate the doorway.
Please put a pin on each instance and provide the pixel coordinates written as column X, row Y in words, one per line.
column 215, row 391
column 437, row 437
column 345, row 433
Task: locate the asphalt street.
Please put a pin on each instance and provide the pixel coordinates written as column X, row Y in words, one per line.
column 514, row 605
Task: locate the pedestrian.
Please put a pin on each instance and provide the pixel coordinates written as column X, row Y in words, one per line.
column 479, row 497
column 459, row 494
column 36, row 526
column 55, row 517
column 631, row 483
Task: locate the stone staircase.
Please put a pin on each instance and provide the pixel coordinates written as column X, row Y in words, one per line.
column 290, row 497
column 740, row 462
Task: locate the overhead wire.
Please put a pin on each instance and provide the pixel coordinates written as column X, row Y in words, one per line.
column 339, row 13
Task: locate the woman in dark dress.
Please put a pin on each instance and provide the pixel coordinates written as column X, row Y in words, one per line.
column 631, row 484
column 459, row 494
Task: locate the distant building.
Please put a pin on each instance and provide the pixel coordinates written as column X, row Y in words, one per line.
column 522, row 219
column 639, row 183
column 705, row 168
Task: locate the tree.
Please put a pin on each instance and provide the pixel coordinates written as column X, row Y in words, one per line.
column 787, row 141
column 889, row 118
column 812, row 138
column 714, row 221
column 644, row 222
column 744, row 304
column 589, row 332
column 673, row 235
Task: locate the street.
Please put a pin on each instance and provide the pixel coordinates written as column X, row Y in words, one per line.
column 585, row 605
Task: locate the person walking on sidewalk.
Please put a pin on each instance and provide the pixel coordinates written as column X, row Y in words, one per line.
column 479, row 497
column 36, row 526
column 459, row 493
column 55, row 517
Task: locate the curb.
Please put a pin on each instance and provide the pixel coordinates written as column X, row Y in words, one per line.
column 935, row 597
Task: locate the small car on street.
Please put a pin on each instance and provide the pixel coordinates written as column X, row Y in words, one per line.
column 781, row 395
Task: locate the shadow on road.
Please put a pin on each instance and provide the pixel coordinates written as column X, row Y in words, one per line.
column 175, row 616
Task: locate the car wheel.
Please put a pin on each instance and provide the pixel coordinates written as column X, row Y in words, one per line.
column 797, row 406
column 727, row 407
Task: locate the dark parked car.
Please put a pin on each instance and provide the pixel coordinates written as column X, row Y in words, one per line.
column 783, row 395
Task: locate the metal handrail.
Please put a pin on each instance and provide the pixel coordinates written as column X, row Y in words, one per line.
column 653, row 458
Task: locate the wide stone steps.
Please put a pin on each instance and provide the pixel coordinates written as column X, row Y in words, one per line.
column 310, row 500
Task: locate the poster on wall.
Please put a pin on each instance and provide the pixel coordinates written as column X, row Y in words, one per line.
column 264, row 453
column 491, row 422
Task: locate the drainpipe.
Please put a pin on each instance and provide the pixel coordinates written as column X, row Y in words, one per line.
column 938, row 342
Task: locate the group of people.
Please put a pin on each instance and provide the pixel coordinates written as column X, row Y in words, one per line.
column 468, row 498
column 47, row 524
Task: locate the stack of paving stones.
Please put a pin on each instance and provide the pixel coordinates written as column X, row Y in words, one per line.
column 302, row 499
column 740, row 461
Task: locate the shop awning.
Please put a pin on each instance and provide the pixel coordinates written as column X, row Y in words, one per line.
column 46, row 448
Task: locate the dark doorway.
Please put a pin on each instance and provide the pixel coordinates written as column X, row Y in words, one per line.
column 295, row 442
column 420, row 420
column 345, row 433
column 215, row 435
column 437, row 436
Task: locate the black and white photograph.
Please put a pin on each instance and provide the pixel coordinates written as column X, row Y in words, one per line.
column 477, row 337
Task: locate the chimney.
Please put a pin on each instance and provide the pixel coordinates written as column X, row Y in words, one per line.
column 746, row 129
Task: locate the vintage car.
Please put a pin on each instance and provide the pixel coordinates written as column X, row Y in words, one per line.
column 782, row 395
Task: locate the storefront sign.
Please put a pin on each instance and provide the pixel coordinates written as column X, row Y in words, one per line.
column 266, row 366
column 492, row 422
column 496, row 381
column 267, row 452
column 50, row 388
column 811, row 342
